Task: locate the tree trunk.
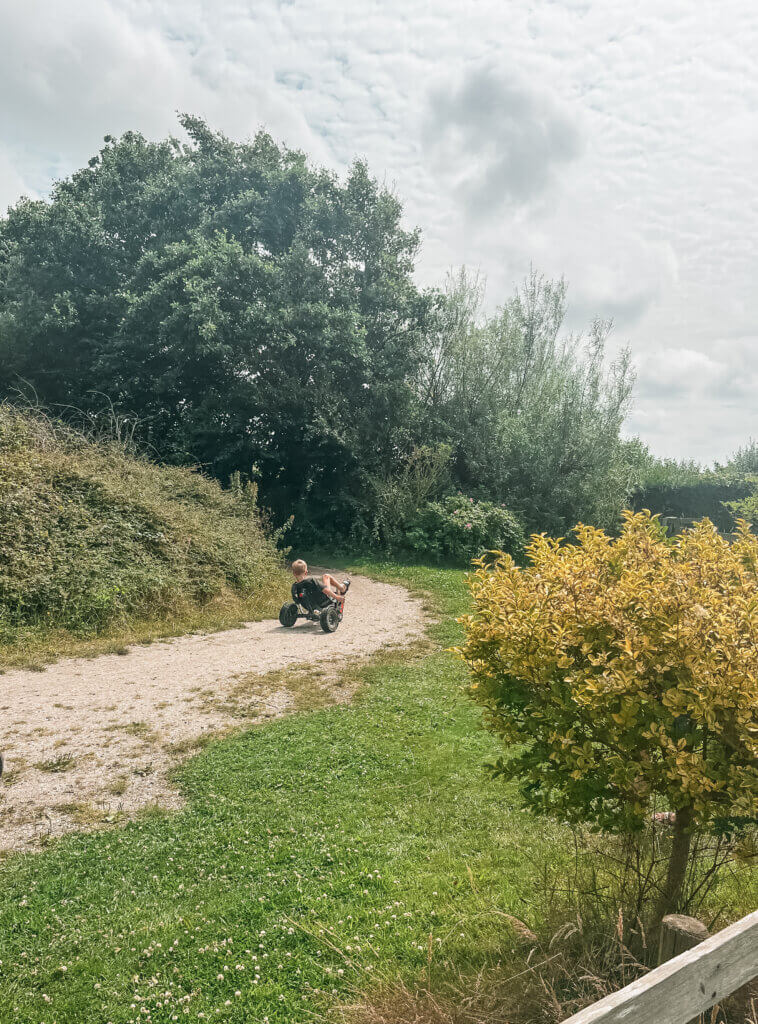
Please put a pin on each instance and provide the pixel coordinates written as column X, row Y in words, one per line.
column 668, row 902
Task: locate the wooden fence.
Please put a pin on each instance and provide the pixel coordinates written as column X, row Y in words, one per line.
column 691, row 983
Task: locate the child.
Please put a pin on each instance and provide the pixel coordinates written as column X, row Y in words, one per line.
column 313, row 589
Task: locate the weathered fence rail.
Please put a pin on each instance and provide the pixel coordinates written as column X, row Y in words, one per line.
column 686, row 986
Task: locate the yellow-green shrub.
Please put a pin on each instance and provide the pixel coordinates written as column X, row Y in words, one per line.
column 618, row 671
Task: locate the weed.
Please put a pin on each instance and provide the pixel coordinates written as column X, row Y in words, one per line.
column 89, row 815
column 192, row 744
column 139, row 729
column 60, row 763
column 67, row 807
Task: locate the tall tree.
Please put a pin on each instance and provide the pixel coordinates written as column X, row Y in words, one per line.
column 533, row 413
column 249, row 309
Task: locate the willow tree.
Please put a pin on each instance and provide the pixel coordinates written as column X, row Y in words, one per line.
column 532, row 411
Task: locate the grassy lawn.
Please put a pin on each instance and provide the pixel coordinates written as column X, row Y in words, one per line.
column 316, row 854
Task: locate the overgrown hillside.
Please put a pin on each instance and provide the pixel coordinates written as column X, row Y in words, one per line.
column 98, row 544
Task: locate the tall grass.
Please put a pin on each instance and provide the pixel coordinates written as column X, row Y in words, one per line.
column 96, row 541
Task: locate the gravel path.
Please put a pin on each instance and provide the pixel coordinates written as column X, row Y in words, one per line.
column 90, row 741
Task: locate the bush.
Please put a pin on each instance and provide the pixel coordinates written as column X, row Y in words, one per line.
column 458, row 529
column 621, row 672
column 393, row 500
column 747, row 509
column 92, row 536
column 404, row 513
column 685, row 490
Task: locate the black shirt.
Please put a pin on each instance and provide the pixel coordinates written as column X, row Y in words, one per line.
column 311, row 589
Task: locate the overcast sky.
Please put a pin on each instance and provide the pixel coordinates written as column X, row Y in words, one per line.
column 611, row 142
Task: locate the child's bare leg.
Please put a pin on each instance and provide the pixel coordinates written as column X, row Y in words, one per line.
column 334, row 585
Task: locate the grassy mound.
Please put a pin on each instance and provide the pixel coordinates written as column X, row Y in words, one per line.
column 96, row 544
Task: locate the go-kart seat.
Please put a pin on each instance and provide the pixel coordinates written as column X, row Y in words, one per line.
column 311, row 597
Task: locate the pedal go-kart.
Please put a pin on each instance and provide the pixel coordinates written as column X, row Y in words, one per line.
column 327, row 612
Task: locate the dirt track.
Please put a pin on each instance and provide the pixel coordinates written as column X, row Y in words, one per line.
column 88, row 741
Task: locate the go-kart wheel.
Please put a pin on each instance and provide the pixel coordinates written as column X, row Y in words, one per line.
column 329, row 619
column 288, row 614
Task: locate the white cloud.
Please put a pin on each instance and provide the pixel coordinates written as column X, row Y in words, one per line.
column 708, row 395
column 613, row 145
column 72, row 71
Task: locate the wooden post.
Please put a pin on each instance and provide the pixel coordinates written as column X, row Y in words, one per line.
column 678, row 934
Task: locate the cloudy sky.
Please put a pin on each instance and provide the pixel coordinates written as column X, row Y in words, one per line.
column 611, row 142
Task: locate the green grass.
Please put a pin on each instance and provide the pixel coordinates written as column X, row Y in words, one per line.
column 316, row 855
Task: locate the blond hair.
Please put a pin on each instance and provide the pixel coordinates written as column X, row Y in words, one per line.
column 299, row 566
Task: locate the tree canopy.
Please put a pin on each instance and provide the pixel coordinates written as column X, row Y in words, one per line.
column 533, row 413
column 256, row 314
column 249, row 310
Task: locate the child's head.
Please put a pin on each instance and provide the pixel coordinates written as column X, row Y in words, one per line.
column 299, row 568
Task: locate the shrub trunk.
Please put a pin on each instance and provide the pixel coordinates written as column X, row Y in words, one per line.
column 677, row 867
